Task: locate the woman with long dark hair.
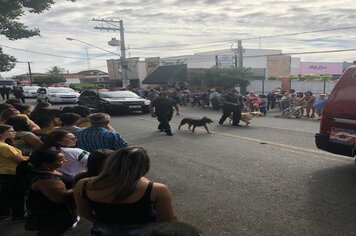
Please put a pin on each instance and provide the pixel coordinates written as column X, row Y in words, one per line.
column 95, row 163
column 39, row 109
column 49, row 193
column 120, row 200
column 48, row 120
column 64, row 141
column 25, row 139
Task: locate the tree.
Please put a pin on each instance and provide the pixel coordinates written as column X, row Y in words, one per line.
column 56, row 70
column 10, row 27
column 226, row 78
column 7, row 62
column 50, row 79
column 312, row 77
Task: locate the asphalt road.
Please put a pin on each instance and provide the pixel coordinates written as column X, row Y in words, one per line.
column 266, row 179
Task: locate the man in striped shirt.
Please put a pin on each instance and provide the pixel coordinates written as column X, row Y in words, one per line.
column 99, row 135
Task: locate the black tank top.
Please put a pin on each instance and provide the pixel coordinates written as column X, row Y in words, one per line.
column 139, row 212
column 37, row 202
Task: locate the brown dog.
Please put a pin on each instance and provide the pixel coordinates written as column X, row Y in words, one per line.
column 246, row 116
column 194, row 122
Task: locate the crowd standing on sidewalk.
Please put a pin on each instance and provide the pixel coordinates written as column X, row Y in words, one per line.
column 68, row 162
column 59, row 164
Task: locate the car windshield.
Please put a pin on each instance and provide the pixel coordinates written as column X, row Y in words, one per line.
column 61, row 90
column 118, row 94
column 31, row 88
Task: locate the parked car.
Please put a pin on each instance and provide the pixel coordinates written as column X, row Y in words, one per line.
column 57, row 95
column 7, row 83
column 30, row 91
column 114, row 101
column 337, row 132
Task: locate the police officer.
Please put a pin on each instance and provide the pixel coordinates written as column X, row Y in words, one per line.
column 232, row 103
column 162, row 108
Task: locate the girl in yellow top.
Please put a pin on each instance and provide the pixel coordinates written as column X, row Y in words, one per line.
column 11, row 198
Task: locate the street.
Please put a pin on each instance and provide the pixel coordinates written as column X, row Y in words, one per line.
column 265, row 179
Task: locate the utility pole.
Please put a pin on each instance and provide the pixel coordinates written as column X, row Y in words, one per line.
column 123, row 54
column 88, row 59
column 29, row 72
column 240, row 53
column 123, row 62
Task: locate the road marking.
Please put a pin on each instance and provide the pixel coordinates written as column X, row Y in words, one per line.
column 281, row 146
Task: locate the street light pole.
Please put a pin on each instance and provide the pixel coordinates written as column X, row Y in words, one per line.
column 124, row 64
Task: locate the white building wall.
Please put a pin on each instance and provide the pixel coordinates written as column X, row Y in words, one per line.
column 316, row 87
column 252, row 58
column 72, row 81
column 142, row 73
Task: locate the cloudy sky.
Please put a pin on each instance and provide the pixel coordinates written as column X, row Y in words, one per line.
column 180, row 27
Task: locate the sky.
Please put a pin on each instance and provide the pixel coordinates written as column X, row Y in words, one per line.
column 182, row 27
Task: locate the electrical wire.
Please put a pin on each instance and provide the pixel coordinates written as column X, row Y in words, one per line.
column 46, row 54
column 250, row 38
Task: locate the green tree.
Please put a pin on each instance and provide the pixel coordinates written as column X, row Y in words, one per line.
column 226, row 78
column 56, row 70
column 10, row 27
column 49, row 80
column 312, row 77
column 7, row 62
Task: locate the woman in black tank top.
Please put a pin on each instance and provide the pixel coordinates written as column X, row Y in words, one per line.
column 48, row 194
column 120, row 200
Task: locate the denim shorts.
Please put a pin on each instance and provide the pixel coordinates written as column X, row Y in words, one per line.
column 100, row 229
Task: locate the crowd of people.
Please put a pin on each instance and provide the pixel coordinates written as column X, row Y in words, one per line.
column 308, row 104
column 57, row 165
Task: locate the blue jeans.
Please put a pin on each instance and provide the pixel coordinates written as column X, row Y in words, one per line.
column 100, row 229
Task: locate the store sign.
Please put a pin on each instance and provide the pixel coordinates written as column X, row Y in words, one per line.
column 225, row 61
column 321, row 68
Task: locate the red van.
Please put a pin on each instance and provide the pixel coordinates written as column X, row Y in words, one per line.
column 338, row 120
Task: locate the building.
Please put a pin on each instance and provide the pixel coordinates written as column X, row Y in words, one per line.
column 167, row 76
column 264, row 63
column 136, row 70
column 86, row 76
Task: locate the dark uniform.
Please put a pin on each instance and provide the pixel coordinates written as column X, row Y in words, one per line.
column 5, row 91
column 234, row 108
column 19, row 93
column 164, row 112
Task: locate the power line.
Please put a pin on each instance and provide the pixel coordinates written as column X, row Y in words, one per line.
column 303, row 32
column 317, row 52
column 250, row 38
column 46, row 54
